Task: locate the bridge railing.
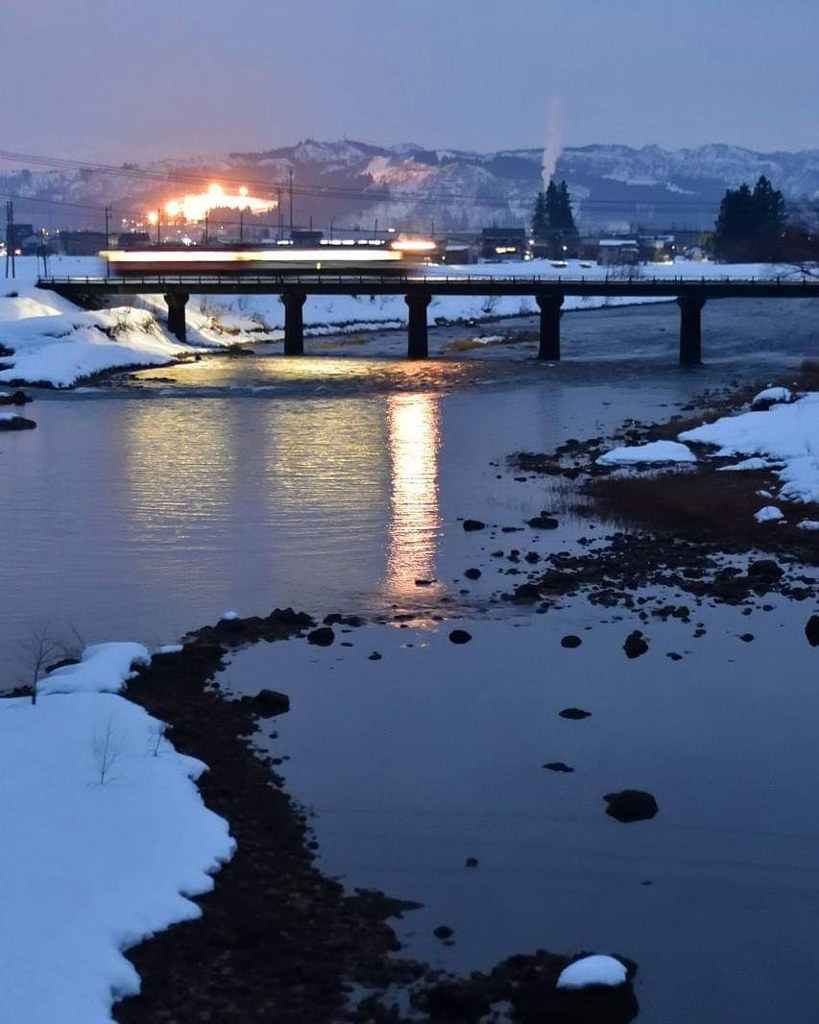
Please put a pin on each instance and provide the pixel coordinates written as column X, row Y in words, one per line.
column 535, row 282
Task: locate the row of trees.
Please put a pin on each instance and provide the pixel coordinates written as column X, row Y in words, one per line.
column 752, row 226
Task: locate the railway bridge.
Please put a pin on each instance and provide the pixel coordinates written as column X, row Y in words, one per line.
column 418, row 290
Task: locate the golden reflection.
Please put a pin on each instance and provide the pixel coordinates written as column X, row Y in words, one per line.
column 414, row 438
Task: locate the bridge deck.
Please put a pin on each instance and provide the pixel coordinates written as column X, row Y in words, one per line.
column 346, row 284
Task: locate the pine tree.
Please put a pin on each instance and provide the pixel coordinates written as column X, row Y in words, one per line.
column 751, row 225
column 539, row 222
column 558, row 231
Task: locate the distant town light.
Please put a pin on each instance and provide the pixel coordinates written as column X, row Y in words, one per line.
column 195, row 207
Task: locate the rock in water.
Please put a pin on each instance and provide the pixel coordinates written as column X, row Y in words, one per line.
column 592, row 970
column 460, row 636
column 570, row 641
column 574, row 713
column 631, row 805
column 12, row 422
column 635, row 644
column 268, row 703
column 473, row 524
column 321, row 637
column 812, row 630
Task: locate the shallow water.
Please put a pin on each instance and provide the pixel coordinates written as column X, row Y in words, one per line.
column 434, row 753
column 144, row 510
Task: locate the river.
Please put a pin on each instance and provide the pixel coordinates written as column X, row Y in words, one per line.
column 142, row 510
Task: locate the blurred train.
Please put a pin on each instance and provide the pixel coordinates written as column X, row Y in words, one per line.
column 354, row 257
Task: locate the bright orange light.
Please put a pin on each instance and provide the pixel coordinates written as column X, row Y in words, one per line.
column 194, row 208
column 153, row 217
column 413, row 245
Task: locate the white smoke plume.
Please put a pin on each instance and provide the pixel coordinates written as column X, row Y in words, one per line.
column 554, row 140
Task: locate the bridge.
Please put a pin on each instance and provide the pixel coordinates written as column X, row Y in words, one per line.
column 418, row 289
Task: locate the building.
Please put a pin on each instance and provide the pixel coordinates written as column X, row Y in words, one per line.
column 503, row 243
column 618, row 250
column 80, row 243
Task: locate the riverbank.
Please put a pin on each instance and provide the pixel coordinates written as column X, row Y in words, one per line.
column 47, row 341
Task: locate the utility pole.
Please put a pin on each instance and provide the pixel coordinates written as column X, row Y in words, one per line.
column 241, row 226
column 280, row 212
column 375, row 229
column 10, row 239
column 107, row 227
column 44, row 251
column 290, row 186
column 207, row 217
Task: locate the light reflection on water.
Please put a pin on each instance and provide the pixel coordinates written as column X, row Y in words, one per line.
column 415, row 520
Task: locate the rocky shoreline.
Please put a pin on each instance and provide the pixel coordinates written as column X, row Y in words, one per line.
column 277, row 940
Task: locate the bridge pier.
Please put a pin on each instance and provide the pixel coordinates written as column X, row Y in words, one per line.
column 176, row 315
column 550, row 314
column 417, row 340
column 293, row 323
column 691, row 328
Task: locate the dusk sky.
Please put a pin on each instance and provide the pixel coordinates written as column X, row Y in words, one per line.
column 113, row 80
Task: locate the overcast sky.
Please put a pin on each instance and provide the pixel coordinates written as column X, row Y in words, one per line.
column 112, row 80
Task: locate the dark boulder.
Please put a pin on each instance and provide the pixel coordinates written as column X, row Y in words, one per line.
column 558, row 766
column 472, row 574
column 321, row 637
column 812, row 630
column 631, row 805
column 473, row 524
column 17, row 423
column 542, row 523
column 526, row 593
column 460, row 636
column 268, row 703
column 15, row 398
column 635, row 644
column 570, row 641
column 574, row 713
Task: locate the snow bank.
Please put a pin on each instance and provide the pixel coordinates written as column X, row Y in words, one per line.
column 785, row 434
column 656, row 451
column 592, row 970
column 105, row 838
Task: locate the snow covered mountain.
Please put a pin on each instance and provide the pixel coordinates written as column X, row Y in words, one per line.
column 410, row 187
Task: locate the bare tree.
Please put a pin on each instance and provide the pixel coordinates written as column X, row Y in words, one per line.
column 36, row 651
column 108, row 745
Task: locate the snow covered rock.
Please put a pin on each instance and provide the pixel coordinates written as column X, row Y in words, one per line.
column 771, row 396
column 768, row 514
column 655, row 452
column 598, row 969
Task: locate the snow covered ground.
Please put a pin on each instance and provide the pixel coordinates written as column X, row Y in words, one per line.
column 55, row 342
column 784, row 437
column 104, row 839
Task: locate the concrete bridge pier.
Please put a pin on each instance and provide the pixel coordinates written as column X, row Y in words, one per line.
column 417, row 340
column 294, row 323
column 550, row 314
column 691, row 328
column 176, row 315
